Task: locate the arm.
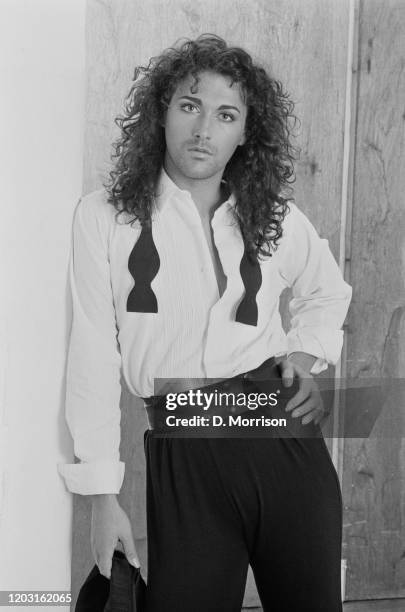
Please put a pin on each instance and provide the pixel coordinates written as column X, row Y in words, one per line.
column 319, row 306
column 93, row 387
column 320, row 296
column 94, row 362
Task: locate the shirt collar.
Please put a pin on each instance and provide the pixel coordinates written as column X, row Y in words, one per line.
column 168, row 188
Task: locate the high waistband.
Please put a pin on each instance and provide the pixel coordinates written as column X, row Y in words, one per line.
column 230, row 408
column 267, row 369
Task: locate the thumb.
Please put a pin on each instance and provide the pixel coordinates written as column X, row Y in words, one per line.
column 130, row 550
column 287, row 373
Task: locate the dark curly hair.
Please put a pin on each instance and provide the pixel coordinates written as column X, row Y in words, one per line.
column 259, row 170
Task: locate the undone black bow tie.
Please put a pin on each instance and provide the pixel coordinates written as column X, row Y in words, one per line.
column 144, row 263
column 251, row 274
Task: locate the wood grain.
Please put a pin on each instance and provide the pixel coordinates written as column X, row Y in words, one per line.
column 374, row 472
column 302, row 44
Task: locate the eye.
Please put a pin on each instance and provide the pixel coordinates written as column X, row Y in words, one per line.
column 227, row 117
column 188, row 107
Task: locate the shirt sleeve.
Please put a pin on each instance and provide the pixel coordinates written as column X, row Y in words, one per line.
column 94, row 362
column 320, row 296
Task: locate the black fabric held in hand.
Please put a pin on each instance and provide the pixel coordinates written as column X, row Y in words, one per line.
column 125, row 592
column 143, row 264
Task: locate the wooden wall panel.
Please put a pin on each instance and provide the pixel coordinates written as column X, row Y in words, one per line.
column 304, row 44
column 374, row 469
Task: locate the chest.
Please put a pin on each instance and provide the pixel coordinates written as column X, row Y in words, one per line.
column 199, row 267
column 214, row 255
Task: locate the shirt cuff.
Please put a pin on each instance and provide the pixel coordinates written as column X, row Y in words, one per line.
column 323, row 343
column 95, row 478
column 319, row 366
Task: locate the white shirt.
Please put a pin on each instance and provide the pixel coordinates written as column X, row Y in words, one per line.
column 194, row 333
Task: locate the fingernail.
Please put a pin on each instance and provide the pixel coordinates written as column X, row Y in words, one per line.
column 135, row 562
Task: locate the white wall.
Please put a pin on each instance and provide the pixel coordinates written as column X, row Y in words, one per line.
column 41, row 126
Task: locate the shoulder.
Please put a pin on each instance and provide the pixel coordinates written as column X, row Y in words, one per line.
column 95, row 205
column 295, row 216
column 299, row 236
column 296, row 223
column 94, row 213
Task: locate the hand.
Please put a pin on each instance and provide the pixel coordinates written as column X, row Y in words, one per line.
column 307, row 401
column 109, row 524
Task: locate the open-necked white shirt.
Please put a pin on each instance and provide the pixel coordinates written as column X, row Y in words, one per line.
column 194, row 333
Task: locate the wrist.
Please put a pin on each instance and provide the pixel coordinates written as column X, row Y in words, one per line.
column 304, row 360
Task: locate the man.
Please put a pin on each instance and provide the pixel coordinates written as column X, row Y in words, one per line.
column 176, row 274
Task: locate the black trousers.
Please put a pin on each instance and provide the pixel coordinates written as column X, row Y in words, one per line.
column 214, row 506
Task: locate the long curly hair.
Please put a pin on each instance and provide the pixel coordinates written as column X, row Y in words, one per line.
column 259, row 171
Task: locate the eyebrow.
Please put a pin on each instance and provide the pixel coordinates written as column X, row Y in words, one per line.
column 198, row 101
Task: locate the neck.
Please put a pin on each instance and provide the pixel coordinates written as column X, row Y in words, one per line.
column 206, row 193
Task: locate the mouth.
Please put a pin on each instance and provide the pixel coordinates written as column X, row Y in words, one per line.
column 201, row 150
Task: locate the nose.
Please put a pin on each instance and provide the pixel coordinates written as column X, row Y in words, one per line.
column 202, row 127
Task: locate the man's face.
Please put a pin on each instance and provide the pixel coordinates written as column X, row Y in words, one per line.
column 203, row 128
